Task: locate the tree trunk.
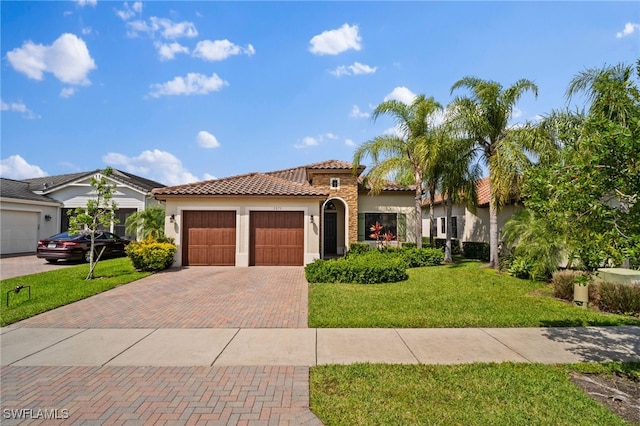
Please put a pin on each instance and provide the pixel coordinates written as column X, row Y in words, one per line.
column 418, row 214
column 432, row 218
column 447, row 247
column 493, row 234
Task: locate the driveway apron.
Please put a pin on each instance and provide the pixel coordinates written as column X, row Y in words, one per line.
column 196, row 297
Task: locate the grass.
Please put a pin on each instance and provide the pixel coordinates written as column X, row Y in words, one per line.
column 471, row 394
column 465, row 294
column 52, row 289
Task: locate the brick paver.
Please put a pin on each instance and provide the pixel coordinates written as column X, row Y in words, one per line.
column 15, row 266
column 157, row 395
column 196, row 297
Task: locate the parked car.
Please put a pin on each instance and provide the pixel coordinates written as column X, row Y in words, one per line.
column 77, row 247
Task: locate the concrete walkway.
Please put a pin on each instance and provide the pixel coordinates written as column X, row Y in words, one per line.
column 308, row 347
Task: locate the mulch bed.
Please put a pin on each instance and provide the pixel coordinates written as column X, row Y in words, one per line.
column 617, row 392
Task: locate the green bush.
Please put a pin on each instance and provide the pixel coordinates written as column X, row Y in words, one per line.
column 419, row 257
column 475, row 250
column 358, row 248
column 372, row 267
column 151, row 255
column 409, row 245
column 619, row 298
column 521, row 268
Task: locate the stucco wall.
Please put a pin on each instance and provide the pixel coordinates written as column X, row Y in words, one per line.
column 391, row 202
column 243, row 207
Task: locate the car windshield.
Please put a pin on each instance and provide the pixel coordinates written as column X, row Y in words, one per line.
column 60, row 236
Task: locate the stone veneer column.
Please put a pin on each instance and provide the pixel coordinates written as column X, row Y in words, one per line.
column 348, row 192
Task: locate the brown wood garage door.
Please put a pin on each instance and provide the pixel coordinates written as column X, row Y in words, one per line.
column 209, row 238
column 276, row 238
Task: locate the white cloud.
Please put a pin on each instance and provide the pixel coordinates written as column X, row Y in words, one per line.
column 129, row 11
column 15, row 167
column 356, row 113
column 356, row 69
column 309, row 141
column 168, row 51
column 161, row 166
column 67, row 92
column 332, row 42
column 516, row 113
column 401, row 94
column 207, row 140
column 208, row 176
column 349, row 142
column 219, row 50
column 629, row 28
column 191, row 84
column 68, row 59
column 83, row 3
column 165, row 27
column 18, row 107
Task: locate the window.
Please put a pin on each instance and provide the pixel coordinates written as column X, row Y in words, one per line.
column 120, row 227
column 454, row 227
column 443, row 225
column 388, row 221
column 334, row 183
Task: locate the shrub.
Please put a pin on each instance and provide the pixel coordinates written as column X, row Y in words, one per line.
column 358, row 248
column 563, row 282
column 419, row 257
column 150, row 255
column 521, row 268
column 409, row 245
column 475, row 250
column 367, row 268
column 619, row 298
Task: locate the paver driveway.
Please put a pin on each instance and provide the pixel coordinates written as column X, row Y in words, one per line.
column 197, row 297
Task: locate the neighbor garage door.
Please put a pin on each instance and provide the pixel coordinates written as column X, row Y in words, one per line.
column 277, row 238
column 209, row 238
column 19, row 231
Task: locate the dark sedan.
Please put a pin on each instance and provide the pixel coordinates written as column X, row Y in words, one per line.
column 77, row 247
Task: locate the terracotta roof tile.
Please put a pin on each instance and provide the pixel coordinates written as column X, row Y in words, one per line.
column 482, row 187
column 389, row 186
column 252, row 184
column 331, row 165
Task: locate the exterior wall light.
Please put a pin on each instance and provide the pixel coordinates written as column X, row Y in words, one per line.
column 47, row 217
column 311, row 219
column 172, row 218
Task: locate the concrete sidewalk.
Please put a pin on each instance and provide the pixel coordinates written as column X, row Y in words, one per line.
column 309, row 347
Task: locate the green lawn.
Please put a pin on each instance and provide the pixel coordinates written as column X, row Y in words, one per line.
column 61, row 287
column 465, row 294
column 471, row 394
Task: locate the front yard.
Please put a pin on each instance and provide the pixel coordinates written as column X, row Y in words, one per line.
column 465, row 294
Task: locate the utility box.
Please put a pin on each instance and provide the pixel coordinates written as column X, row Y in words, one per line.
column 619, row 275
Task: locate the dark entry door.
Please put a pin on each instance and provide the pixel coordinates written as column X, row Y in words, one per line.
column 330, row 233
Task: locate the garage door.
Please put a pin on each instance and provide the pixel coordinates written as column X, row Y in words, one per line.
column 277, row 238
column 209, row 238
column 19, row 231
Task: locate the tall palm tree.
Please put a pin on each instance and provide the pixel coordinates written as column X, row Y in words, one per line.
column 458, row 181
column 404, row 153
column 484, row 116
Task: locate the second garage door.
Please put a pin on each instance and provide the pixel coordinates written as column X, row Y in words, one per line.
column 209, row 238
column 276, row 238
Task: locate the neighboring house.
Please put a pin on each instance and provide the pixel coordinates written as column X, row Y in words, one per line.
column 37, row 208
column 466, row 225
column 285, row 217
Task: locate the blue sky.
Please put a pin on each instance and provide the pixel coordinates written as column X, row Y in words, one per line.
column 187, row 91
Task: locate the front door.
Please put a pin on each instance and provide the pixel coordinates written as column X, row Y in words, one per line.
column 330, row 233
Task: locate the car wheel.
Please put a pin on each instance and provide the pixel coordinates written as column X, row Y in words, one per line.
column 52, row 260
column 87, row 256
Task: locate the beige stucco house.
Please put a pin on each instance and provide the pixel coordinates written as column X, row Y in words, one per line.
column 465, row 224
column 284, row 217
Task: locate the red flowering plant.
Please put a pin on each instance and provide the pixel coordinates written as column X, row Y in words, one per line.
column 382, row 238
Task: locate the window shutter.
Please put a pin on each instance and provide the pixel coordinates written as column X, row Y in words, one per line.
column 402, row 227
column 360, row 226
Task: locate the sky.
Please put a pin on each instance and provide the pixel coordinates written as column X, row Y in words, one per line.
column 186, row 91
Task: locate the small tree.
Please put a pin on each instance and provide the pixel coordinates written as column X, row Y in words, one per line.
column 99, row 212
column 149, row 223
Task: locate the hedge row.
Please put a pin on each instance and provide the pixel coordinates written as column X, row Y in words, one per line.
column 608, row 297
column 368, row 268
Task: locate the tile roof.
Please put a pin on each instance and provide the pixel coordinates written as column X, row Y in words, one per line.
column 482, row 188
column 10, row 188
column 332, row 165
column 252, row 184
column 53, row 182
column 389, row 186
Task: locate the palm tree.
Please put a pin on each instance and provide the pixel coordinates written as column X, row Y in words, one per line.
column 404, row 153
column 484, row 118
column 150, row 223
column 458, row 181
